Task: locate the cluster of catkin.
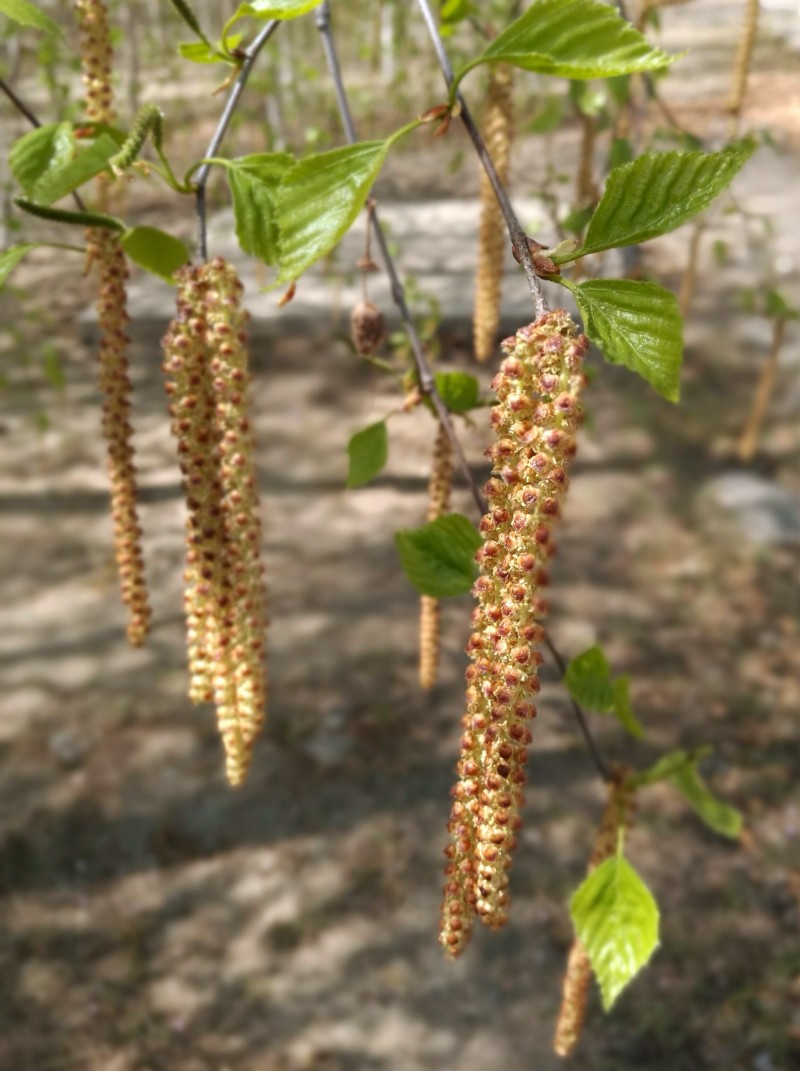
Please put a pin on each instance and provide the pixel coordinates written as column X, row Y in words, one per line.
column 535, row 421
column 492, row 240
column 206, row 368
column 439, row 488
column 106, row 255
column 617, row 815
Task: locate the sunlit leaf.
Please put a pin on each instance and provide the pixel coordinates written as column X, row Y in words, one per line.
column 275, row 9
column 254, row 182
column 637, row 324
column 657, row 192
column 458, row 390
column 438, row 558
column 368, row 451
column 28, row 14
column 573, row 39
column 719, row 816
column 155, row 250
column 616, row 921
column 32, row 156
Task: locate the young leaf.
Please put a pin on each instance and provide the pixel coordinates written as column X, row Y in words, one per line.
column 368, row 451
column 623, row 709
column 717, row 815
column 572, row 39
column 254, row 182
column 616, row 921
column 657, row 192
column 274, row 9
column 47, row 148
column 588, row 680
column 636, row 324
column 11, row 257
column 669, row 764
column 458, row 390
column 438, row 558
column 318, row 200
column 200, row 52
column 155, row 250
column 28, row 14
column 58, row 181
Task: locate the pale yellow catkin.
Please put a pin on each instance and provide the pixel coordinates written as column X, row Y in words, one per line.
column 492, row 237
column 535, row 421
column 206, row 365
column 578, row 975
column 439, row 489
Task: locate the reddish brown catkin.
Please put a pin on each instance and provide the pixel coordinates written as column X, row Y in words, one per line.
column 617, row 814
column 439, row 489
column 104, row 250
column 207, row 377
column 535, row 422
column 492, row 236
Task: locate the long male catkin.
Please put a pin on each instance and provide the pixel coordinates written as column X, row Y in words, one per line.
column 205, row 362
column 105, row 252
column 535, row 421
column 439, row 488
column 492, row 235
column 617, row 815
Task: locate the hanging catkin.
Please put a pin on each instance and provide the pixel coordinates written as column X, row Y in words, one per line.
column 535, row 422
column 205, row 362
column 492, row 236
column 617, row 815
column 105, row 252
column 741, row 66
column 439, row 488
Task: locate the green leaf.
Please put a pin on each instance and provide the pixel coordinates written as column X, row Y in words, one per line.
column 318, row 200
column 458, row 390
column 778, row 306
column 368, row 451
column 28, row 14
column 624, row 710
column 657, row 192
column 671, row 763
column 717, row 815
column 274, row 9
column 11, row 257
column 616, row 921
column 637, row 324
column 438, row 558
column 200, row 52
column 89, row 162
column 572, row 39
column 155, row 251
column 621, row 153
column 588, row 680
column 254, row 182
column 39, row 151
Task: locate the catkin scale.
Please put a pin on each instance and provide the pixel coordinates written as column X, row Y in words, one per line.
column 578, row 975
column 439, row 488
column 205, row 362
column 492, row 235
column 535, row 421
column 96, row 60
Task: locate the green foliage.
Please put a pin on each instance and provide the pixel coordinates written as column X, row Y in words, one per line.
column 458, row 390
column 50, row 162
column 680, row 768
column 11, row 257
column 275, row 9
column 28, row 14
column 588, row 679
column 616, row 920
column 368, row 450
column 573, row 39
column 637, row 324
column 149, row 123
column 438, row 557
column 155, row 251
column 75, row 219
column 319, row 199
column 657, row 192
column 254, row 182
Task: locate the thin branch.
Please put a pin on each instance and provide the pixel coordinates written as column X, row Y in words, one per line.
column 519, row 240
column 427, row 383
column 580, row 715
column 23, row 109
column 250, row 56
